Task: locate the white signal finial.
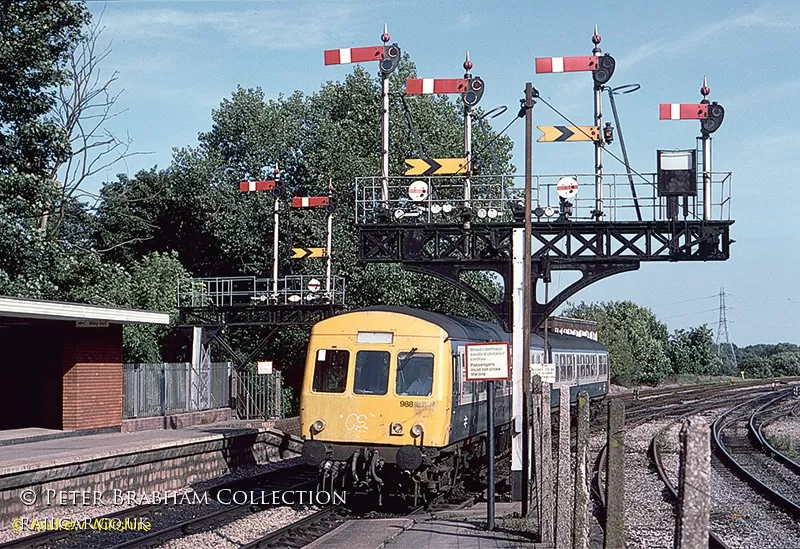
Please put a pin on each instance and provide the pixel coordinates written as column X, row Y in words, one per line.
column 705, row 90
column 385, row 36
column 467, row 63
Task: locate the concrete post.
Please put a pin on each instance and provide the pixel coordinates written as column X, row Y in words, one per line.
column 564, row 466
column 536, row 443
column 547, row 466
column 694, row 485
column 581, row 538
column 615, row 477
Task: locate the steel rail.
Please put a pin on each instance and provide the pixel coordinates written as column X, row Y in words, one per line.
column 762, row 439
column 725, row 455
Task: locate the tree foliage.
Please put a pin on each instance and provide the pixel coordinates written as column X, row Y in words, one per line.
column 637, row 341
column 692, row 351
column 765, row 360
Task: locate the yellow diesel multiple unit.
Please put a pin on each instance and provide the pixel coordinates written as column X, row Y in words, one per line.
column 385, row 405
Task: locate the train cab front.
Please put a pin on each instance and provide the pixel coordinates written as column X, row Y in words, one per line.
column 374, row 414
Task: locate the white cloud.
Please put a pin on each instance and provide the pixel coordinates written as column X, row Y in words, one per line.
column 303, row 26
column 671, row 46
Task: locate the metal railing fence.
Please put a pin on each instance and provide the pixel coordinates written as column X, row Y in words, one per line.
column 163, row 389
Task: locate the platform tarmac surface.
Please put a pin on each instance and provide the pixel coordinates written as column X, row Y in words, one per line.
column 26, row 456
column 462, row 529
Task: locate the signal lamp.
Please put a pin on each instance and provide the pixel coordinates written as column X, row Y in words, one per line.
column 605, row 71
column 474, row 92
column 391, row 58
column 715, row 115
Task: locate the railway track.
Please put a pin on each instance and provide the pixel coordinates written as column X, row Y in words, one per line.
column 739, row 444
column 313, row 527
column 745, row 417
column 295, row 477
column 677, row 406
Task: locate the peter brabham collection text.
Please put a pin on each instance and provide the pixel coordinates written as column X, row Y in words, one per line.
column 224, row 496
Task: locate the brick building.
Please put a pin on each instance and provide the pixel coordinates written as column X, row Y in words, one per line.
column 61, row 363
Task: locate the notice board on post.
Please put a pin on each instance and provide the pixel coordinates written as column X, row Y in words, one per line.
column 488, row 361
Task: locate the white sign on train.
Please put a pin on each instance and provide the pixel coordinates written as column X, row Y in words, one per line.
column 545, row 371
column 264, row 367
column 487, row 361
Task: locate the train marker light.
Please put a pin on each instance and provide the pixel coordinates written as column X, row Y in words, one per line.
column 318, row 426
column 493, row 213
column 397, row 429
column 436, row 208
column 417, row 430
column 482, row 213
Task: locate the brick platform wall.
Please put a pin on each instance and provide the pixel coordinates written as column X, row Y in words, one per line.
column 92, row 378
column 170, row 468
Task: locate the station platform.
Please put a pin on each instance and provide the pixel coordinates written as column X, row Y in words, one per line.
column 462, row 529
column 144, row 461
column 31, row 449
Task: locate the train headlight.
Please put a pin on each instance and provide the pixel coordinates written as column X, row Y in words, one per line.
column 397, row 428
column 416, row 430
column 318, row 426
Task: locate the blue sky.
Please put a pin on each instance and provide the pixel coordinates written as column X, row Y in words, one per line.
column 177, row 59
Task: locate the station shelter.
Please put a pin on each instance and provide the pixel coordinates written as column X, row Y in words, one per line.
column 61, row 363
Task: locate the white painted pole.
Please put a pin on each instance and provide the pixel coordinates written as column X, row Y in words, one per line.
column 517, row 355
column 468, row 139
column 598, row 145
column 329, row 246
column 276, row 217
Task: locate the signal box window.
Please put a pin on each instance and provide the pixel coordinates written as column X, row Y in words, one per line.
column 372, row 373
column 330, row 371
column 414, row 374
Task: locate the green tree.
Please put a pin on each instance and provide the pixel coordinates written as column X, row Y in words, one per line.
column 636, row 339
column 692, row 351
column 36, row 39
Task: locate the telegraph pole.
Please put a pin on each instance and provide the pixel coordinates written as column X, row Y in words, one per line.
column 528, row 300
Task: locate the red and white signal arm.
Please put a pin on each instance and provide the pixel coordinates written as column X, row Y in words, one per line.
column 487, row 361
column 567, row 187
column 418, row 191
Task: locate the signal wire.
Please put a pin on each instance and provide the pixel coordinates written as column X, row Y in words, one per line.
column 610, row 153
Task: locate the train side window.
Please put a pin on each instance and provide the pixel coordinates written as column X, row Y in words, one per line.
column 330, row 371
column 372, row 373
column 414, row 374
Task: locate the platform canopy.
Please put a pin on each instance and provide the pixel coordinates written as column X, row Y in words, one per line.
column 59, row 310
